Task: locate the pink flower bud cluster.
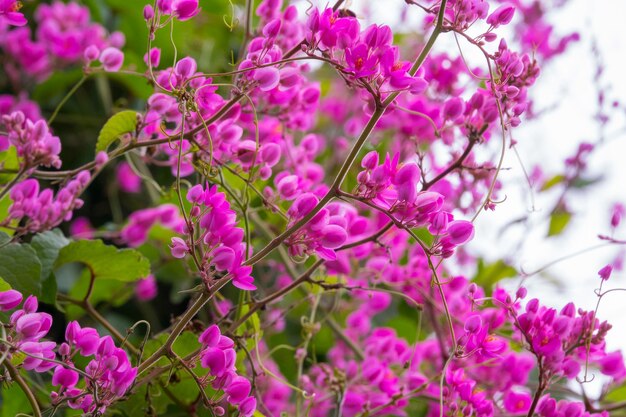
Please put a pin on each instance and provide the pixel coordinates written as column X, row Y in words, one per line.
column 180, row 9
column 219, row 236
column 107, row 377
column 10, row 104
column 135, row 233
column 394, row 189
column 561, row 340
column 63, row 35
column 366, row 55
column 42, row 209
column 324, row 233
column 33, row 141
column 219, row 357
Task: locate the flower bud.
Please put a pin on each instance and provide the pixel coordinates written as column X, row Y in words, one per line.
column 112, row 59
column 460, row 231
column 179, row 248
column 9, row 300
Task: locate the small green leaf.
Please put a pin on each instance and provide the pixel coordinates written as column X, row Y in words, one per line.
column 558, row 222
column 488, row 275
column 20, row 267
column 119, row 124
column 105, row 261
column 556, row 180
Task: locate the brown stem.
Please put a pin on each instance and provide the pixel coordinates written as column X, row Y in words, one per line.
column 15, row 375
column 456, row 164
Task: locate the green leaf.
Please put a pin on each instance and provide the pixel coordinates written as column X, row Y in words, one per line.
column 119, row 124
column 616, row 395
column 114, row 292
column 20, row 267
column 556, row 180
column 488, row 275
column 48, row 245
column 586, row 182
column 105, row 261
column 558, row 222
column 14, row 401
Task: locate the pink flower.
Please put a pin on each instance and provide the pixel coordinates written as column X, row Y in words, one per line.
column 9, row 299
column 214, row 360
column 146, row 288
column 211, row 336
column 247, row 407
column 612, row 364
column 9, row 13
column 460, row 232
column 501, row 16
column 238, row 390
column 267, row 77
column 112, row 59
column 605, row 272
column 66, row 378
column 185, row 9
column 361, row 62
column 179, row 248
column 517, row 402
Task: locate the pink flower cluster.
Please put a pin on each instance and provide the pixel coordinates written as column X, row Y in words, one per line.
column 42, row 209
column 107, row 377
column 219, row 236
column 393, row 188
column 64, row 32
column 33, row 141
column 135, row 233
column 180, row 9
column 561, row 341
column 324, row 233
column 218, row 356
column 367, row 55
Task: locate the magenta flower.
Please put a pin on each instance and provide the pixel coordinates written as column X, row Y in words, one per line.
column 361, row 62
column 146, row 288
column 185, row 9
column 517, row 402
column 65, row 378
column 501, row 16
column 10, row 299
column 238, row 390
column 460, row 232
column 179, row 247
column 267, row 77
column 128, row 181
column 9, row 13
column 605, row 272
column 112, row 59
column 612, row 364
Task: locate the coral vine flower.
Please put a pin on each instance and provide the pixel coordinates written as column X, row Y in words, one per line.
column 10, row 12
column 361, row 62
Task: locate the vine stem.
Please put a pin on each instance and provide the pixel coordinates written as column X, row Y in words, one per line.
column 15, row 375
column 176, row 331
column 67, row 97
column 182, row 323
